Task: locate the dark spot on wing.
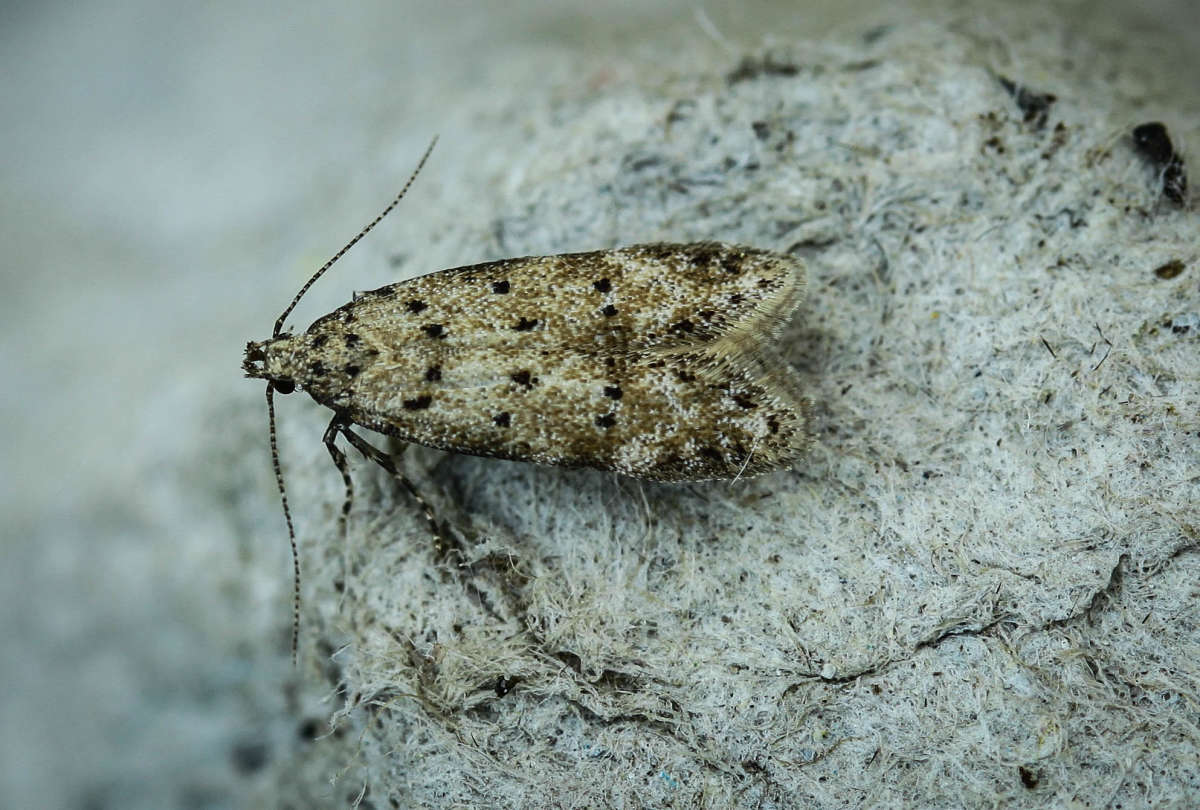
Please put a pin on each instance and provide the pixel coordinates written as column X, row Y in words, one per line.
column 609, row 311
column 500, row 287
column 433, row 373
column 602, row 286
column 606, row 421
column 703, row 257
column 414, row 306
column 658, row 252
column 502, row 419
column 613, row 391
column 525, row 324
column 435, row 330
column 419, row 404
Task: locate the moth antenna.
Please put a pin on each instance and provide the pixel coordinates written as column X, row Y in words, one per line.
column 352, row 242
column 287, row 516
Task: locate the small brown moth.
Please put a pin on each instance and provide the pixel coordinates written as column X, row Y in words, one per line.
column 654, row 361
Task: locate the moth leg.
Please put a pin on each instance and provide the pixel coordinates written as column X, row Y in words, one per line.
column 440, row 545
column 336, row 426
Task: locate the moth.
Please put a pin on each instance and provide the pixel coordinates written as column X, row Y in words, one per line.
column 654, row 361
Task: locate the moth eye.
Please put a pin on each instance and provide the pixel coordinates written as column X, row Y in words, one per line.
column 283, row 386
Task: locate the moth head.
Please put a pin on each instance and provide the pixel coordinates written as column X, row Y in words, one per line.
column 265, row 361
column 323, row 361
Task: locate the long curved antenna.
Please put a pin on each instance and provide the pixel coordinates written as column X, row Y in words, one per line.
column 287, row 516
column 352, row 242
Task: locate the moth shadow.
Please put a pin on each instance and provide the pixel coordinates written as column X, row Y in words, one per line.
column 554, row 512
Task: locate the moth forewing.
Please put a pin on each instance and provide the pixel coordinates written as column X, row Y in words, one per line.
column 653, row 361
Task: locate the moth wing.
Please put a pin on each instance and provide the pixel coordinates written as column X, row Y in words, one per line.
column 639, row 298
column 652, row 360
